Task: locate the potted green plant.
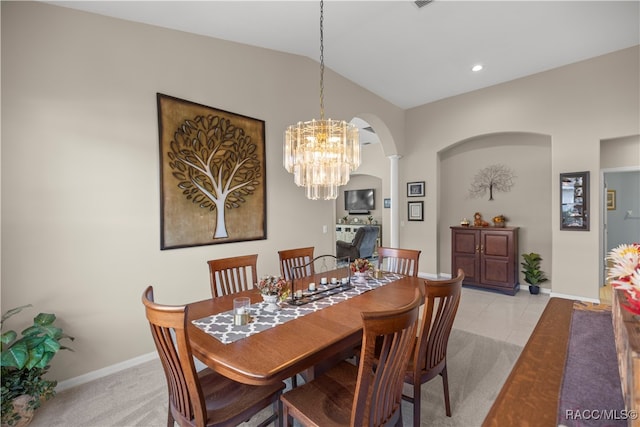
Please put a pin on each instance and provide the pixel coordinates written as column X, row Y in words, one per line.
column 24, row 361
column 532, row 273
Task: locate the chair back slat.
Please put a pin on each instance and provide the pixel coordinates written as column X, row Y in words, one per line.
column 401, row 261
column 232, row 275
column 169, row 335
column 442, row 298
column 377, row 401
column 292, row 259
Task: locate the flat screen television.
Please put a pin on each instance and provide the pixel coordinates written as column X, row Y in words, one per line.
column 359, row 201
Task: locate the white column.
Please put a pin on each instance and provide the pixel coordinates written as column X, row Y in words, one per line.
column 394, row 221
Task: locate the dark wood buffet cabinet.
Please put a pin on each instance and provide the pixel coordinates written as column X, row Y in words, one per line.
column 488, row 256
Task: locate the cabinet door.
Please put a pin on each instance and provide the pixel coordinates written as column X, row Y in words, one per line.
column 465, row 252
column 497, row 258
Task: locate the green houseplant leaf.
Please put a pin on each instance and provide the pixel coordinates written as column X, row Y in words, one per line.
column 531, row 269
column 16, row 356
column 25, row 359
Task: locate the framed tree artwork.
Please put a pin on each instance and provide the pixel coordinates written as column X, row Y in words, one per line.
column 212, row 175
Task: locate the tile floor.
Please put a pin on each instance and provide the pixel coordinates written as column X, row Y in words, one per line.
column 499, row 316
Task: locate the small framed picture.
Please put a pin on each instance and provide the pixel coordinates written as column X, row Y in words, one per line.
column 387, row 203
column 415, row 189
column 416, row 211
column 611, row 200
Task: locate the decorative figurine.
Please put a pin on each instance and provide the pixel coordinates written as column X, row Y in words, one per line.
column 478, row 221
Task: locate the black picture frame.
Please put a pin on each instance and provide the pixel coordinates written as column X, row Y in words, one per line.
column 574, row 201
column 415, row 211
column 415, row 189
column 387, row 203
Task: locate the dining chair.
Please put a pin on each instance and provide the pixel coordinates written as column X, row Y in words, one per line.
column 231, row 275
column 202, row 398
column 291, row 261
column 369, row 394
column 402, row 261
column 441, row 301
column 296, row 264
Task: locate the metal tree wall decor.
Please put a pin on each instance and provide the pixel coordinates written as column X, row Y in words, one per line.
column 492, row 178
column 212, row 175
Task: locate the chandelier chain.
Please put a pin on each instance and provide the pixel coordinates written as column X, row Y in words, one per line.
column 321, row 154
column 321, row 60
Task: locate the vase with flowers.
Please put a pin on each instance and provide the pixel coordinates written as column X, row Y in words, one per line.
column 624, row 273
column 360, row 268
column 273, row 289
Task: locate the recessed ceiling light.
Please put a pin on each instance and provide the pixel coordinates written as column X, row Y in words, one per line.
column 476, row 67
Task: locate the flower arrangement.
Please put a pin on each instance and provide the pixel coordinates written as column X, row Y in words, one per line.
column 360, row 265
column 625, row 272
column 272, row 285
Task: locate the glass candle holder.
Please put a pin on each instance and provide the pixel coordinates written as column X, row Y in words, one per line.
column 241, row 310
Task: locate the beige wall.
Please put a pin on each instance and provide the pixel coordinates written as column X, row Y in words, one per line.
column 620, row 152
column 80, row 194
column 528, row 202
column 577, row 106
column 80, row 189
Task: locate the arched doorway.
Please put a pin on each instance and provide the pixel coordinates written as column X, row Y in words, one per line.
column 379, row 154
column 528, row 205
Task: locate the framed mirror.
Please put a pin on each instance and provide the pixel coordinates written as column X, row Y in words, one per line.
column 574, row 201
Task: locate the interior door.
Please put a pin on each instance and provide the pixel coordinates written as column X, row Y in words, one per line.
column 605, row 239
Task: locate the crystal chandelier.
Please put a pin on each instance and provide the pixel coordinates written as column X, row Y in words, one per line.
column 321, row 153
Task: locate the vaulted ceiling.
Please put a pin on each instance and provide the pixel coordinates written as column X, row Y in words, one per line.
column 406, row 54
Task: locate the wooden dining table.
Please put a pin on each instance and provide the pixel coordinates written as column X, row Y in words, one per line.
column 298, row 345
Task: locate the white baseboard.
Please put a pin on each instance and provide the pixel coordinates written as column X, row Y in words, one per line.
column 522, row 287
column 542, row 290
column 108, row 370
column 574, row 297
column 103, row 372
column 433, row 276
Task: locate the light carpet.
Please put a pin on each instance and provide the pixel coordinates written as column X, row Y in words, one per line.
column 477, row 366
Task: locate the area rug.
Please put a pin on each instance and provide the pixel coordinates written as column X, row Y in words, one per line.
column 477, row 366
column 591, row 394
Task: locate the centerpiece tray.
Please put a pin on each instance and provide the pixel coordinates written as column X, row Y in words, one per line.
column 321, row 292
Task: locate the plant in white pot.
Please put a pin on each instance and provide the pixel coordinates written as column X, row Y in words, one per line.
column 532, row 273
column 24, row 361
